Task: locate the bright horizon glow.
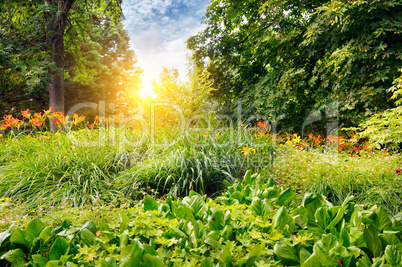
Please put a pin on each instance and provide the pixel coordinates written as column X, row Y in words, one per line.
column 146, row 91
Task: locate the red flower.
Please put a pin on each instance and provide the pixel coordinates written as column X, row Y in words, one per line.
column 398, row 171
column 90, row 126
column 4, row 127
column 26, row 113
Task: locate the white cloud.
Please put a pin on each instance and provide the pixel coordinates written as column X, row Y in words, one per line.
column 159, row 29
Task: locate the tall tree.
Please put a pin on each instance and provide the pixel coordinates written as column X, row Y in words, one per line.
column 41, row 26
column 291, row 57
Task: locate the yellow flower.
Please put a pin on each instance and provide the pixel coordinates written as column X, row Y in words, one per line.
column 1, row 136
column 247, row 150
column 289, row 143
column 296, row 139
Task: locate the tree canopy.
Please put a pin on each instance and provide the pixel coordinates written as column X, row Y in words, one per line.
column 73, row 46
column 292, row 57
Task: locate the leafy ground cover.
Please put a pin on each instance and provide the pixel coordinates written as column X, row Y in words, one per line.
column 251, row 224
column 372, row 177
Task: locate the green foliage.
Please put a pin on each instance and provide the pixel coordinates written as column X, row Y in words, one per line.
column 225, row 231
column 371, row 177
column 385, row 128
column 96, row 56
column 184, row 100
column 293, row 57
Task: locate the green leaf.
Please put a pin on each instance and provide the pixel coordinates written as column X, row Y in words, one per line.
column 131, row 255
column 90, row 226
column 18, row 237
column 247, row 178
column 109, row 262
column 150, row 203
column 286, row 254
column 39, row 260
column 372, row 240
column 16, row 257
column 59, row 248
column 282, row 219
column 5, row 238
column 34, row 229
column 285, row 197
column 381, row 219
column 207, row 262
column 54, row 263
column 152, row 261
column 260, row 208
column 46, row 234
column 87, row 237
column 216, row 220
column 393, row 256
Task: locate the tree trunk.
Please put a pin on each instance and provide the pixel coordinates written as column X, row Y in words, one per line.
column 55, row 40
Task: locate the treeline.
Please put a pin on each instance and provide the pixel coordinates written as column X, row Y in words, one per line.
column 295, row 57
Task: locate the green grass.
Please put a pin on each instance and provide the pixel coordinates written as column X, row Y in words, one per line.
column 111, row 164
column 370, row 177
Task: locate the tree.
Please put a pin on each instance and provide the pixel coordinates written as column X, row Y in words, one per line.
column 40, row 27
column 179, row 98
column 291, row 57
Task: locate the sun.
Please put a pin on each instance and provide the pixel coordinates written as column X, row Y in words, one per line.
column 146, row 91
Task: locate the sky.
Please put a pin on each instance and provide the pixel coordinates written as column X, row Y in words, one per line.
column 158, row 30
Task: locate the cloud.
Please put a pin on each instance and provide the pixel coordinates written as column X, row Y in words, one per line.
column 159, row 29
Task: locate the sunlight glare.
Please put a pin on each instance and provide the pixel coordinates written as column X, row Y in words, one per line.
column 146, row 91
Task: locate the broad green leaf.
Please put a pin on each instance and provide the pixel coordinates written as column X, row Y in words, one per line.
column 124, row 220
column 39, row 260
column 391, row 239
column 261, row 208
column 282, row 219
column 150, row 203
column 109, row 262
column 123, row 238
column 34, row 229
column 285, row 197
column 151, row 261
column 216, row 220
column 344, row 238
column 59, row 248
column 212, row 242
column 304, row 255
column 87, row 237
column 381, row 219
column 131, row 256
column 54, row 263
column 207, row 262
column 16, row 257
column 372, row 240
column 184, row 212
column 286, row 254
column 5, row 238
column 247, row 178
column 46, row 234
column 18, row 237
column 90, row 226
column 393, row 256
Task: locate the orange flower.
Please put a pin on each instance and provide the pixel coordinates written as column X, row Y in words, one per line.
column 90, row 126
column 10, row 121
column 36, row 122
column 4, row 127
column 47, row 112
column 26, row 113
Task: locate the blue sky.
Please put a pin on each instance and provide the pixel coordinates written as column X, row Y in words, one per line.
column 158, row 30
